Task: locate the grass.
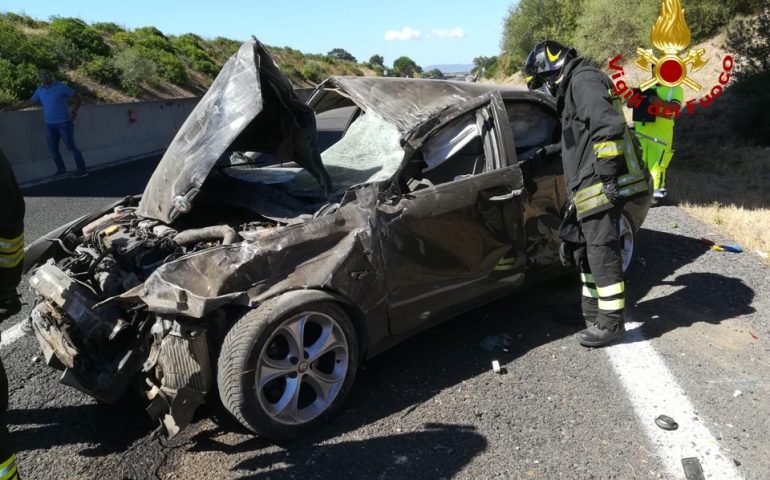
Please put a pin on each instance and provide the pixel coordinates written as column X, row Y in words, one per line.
column 727, row 189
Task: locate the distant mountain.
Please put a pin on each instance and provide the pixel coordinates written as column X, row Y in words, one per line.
column 450, row 68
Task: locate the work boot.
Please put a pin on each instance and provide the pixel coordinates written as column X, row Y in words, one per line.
column 596, row 336
column 9, row 304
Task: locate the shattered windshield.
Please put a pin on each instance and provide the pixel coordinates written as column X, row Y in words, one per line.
column 369, row 152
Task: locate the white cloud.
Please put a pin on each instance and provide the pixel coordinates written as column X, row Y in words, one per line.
column 456, row 32
column 406, row 33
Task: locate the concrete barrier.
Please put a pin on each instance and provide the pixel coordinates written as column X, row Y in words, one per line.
column 106, row 134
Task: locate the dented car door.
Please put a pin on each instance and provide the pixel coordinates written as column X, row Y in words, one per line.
column 451, row 245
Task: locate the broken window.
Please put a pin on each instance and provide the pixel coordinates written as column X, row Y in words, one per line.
column 369, row 152
column 456, row 152
column 533, row 127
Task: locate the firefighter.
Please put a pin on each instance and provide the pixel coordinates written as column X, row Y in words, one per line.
column 654, row 126
column 601, row 170
column 11, row 240
column 11, row 256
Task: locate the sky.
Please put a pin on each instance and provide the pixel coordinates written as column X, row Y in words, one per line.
column 430, row 32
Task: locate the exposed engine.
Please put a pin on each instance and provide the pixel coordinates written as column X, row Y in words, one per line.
column 105, row 345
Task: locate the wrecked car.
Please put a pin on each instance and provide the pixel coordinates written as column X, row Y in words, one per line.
column 257, row 267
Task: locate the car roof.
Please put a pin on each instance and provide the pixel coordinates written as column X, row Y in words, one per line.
column 407, row 102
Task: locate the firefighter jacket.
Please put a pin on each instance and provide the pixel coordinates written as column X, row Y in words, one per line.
column 11, row 227
column 595, row 140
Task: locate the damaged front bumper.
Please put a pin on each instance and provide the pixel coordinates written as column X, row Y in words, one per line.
column 104, row 354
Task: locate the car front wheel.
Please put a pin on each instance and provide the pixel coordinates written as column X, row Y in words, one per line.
column 286, row 367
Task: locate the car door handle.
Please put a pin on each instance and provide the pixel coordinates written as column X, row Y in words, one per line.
column 505, row 197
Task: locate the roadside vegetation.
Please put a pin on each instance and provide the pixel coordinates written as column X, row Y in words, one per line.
column 721, row 170
column 106, row 62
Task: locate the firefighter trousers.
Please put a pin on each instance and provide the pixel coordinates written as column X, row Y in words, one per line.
column 601, row 269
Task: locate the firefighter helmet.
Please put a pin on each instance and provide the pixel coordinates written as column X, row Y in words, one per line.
column 544, row 65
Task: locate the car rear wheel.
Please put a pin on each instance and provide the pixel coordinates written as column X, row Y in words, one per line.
column 627, row 241
column 285, row 367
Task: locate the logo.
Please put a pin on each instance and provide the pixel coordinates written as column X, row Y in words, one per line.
column 671, row 36
column 551, row 56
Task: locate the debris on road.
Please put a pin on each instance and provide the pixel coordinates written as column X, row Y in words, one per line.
column 762, row 254
column 721, row 248
column 692, row 469
column 491, row 342
column 737, row 394
column 666, row 423
column 496, row 367
column 35, row 359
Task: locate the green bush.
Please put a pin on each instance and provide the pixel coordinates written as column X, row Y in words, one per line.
column 606, row 28
column 87, row 42
column 103, row 70
column 205, row 67
column 134, row 69
column 25, row 20
column 312, row 71
column 17, row 82
column 750, row 37
column 107, row 28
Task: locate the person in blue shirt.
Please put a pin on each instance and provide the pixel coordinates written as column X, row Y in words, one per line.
column 55, row 98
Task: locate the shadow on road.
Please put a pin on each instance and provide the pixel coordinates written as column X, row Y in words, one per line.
column 449, row 448
column 698, row 296
column 110, row 429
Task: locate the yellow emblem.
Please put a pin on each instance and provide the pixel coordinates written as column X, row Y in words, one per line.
column 551, row 56
column 671, row 35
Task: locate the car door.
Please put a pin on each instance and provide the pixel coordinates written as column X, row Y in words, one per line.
column 534, row 125
column 456, row 243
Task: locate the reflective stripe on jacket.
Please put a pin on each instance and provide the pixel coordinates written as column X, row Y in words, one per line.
column 596, row 141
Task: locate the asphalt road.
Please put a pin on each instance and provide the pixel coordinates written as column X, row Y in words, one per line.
column 432, row 408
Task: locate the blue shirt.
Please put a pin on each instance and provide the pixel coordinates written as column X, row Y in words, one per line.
column 55, row 101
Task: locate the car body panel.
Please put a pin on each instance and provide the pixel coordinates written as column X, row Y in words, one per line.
column 464, row 214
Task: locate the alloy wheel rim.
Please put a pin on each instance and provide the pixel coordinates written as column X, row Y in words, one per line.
column 301, row 368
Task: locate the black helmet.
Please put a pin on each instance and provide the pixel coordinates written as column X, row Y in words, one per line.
column 544, row 65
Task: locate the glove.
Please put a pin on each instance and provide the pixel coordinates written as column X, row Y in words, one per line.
column 611, row 189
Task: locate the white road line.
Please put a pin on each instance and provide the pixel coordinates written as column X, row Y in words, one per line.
column 10, row 335
column 653, row 391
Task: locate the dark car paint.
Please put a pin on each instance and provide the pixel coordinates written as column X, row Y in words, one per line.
column 401, row 264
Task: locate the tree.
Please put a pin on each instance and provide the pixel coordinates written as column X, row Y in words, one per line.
column 532, row 21
column 434, row 73
column 341, row 54
column 481, row 64
column 604, row 30
column 405, row 67
column 377, row 61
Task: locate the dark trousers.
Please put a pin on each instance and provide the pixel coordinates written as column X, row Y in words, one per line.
column 11, row 228
column 601, row 269
column 63, row 131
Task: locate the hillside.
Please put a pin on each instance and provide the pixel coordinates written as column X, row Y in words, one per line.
column 108, row 63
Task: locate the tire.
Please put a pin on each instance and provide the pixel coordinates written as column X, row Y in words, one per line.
column 290, row 400
column 627, row 241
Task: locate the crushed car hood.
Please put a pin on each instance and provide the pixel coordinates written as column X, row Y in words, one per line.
column 249, row 99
